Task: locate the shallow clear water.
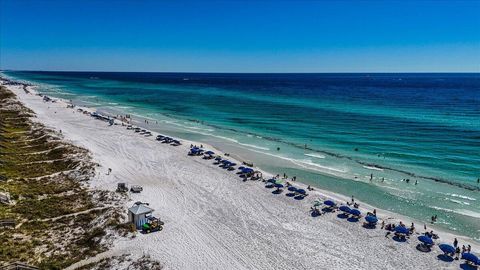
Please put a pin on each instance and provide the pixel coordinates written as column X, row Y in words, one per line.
column 333, row 130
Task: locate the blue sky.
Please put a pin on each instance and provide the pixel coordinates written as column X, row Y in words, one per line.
column 241, row 36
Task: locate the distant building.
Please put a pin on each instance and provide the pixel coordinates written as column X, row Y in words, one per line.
column 138, row 213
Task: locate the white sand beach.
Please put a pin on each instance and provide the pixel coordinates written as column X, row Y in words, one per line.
column 214, row 220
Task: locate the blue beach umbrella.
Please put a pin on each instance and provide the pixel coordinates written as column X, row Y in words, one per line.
column 292, row 188
column 272, row 180
column 470, row 257
column 301, row 191
column 247, row 170
column 447, row 248
column 355, row 212
column 425, row 239
column 345, row 209
column 402, row 230
column 210, row 153
column 278, row 185
column 329, row 203
column 371, row 219
column 218, row 158
column 233, row 164
column 241, row 168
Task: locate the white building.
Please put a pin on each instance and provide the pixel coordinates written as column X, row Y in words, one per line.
column 138, row 213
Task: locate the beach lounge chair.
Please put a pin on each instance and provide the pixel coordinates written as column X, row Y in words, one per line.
column 136, row 189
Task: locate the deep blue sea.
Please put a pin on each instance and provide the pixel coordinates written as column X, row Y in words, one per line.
column 330, row 130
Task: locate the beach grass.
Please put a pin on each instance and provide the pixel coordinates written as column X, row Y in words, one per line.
column 58, row 221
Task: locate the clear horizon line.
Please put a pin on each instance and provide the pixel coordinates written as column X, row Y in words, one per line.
column 237, row 72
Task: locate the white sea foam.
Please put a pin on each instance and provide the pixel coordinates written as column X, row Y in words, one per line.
column 468, row 213
column 458, row 196
column 190, row 128
column 254, row 146
column 310, row 163
column 306, row 163
column 373, row 168
column 90, row 102
column 459, row 211
column 225, row 138
column 315, row 155
column 457, row 201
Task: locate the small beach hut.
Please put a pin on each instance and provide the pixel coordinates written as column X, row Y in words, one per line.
column 138, row 214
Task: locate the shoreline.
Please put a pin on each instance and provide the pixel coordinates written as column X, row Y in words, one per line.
column 445, row 236
column 456, row 207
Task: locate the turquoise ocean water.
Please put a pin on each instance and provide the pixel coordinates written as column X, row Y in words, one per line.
column 333, row 130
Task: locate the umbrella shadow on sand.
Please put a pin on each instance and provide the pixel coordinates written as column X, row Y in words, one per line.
column 445, row 258
column 423, row 248
column 465, row 266
column 399, row 239
column 353, row 219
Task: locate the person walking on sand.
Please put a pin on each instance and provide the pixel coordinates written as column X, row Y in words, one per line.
column 109, row 171
column 455, row 242
column 457, row 252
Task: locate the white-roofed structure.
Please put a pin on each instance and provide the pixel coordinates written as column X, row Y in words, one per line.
column 137, row 214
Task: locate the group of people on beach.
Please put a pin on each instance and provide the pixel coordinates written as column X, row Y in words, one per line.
column 459, row 251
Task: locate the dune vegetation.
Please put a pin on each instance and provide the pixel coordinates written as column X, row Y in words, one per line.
column 50, row 219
